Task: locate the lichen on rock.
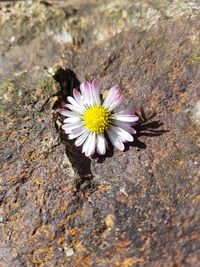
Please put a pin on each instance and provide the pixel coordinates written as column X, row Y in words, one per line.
column 133, row 208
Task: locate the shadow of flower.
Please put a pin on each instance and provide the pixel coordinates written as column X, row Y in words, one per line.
column 146, row 127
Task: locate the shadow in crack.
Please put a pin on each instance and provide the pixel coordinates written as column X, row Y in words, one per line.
column 68, row 81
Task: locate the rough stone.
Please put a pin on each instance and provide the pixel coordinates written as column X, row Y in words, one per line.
column 140, row 207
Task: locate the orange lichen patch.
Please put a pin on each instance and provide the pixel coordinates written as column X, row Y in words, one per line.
column 122, row 198
column 123, row 234
column 48, row 233
column 83, row 262
column 128, row 262
column 35, row 155
column 53, row 211
column 110, row 220
column 177, row 108
column 162, row 197
column 103, row 187
column 196, row 198
column 60, row 240
column 25, row 139
column 38, row 182
column 11, row 178
column 74, row 231
column 64, row 206
column 11, row 133
column 77, row 213
column 123, row 243
column 42, row 255
column 79, row 248
column 176, row 71
column 45, row 232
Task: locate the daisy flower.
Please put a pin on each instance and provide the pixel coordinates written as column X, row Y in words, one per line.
column 90, row 117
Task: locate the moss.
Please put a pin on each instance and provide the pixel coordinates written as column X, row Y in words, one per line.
column 46, row 84
column 194, row 58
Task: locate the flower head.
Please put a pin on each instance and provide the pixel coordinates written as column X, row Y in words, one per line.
column 89, row 117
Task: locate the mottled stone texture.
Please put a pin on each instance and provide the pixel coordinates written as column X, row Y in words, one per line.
column 140, row 207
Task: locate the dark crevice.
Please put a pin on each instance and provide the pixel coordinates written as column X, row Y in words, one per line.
column 67, row 82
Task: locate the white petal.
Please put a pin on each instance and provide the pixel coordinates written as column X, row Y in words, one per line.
column 81, row 139
column 101, row 144
column 124, row 125
column 76, row 132
column 122, row 134
column 75, row 104
column 115, row 140
column 130, row 111
column 73, row 119
column 67, row 113
column 75, row 109
column 89, row 145
column 68, row 127
column 125, row 118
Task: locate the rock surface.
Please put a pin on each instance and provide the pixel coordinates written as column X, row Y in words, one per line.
column 140, row 207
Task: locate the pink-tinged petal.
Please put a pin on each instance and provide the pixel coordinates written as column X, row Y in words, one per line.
column 95, row 92
column 112, row 96
column 63, row 112
column 112, row 93
column 117, row 101
column 86, row 91
column 124, row 135
column 84, row 87
column 95, row 85
column 68, row 106
column 81, row 139
column 77, row 96
column 101, row 144
column 115, row 140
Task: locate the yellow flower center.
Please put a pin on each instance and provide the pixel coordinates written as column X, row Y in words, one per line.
column 97, row 119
